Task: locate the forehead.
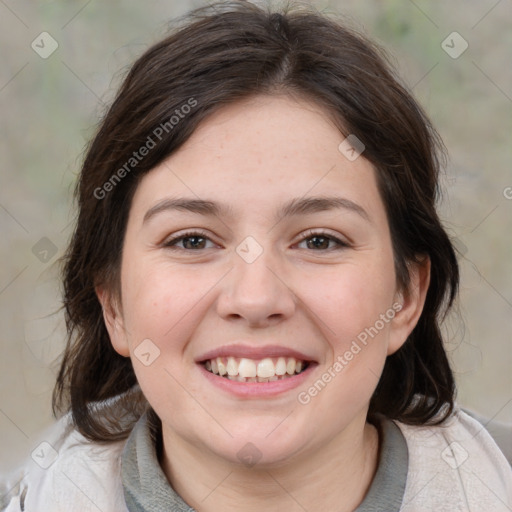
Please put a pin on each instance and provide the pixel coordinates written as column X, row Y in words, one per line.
column 260, row 152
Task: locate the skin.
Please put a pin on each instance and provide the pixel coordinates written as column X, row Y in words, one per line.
column 253, row 156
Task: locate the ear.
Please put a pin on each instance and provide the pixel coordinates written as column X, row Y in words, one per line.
column 412, row 301
column 112, row 316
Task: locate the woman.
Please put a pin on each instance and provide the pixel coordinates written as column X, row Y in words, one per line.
column 255, row 286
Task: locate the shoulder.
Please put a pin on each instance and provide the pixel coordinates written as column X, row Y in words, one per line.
column 455, row 466
column 67, row 472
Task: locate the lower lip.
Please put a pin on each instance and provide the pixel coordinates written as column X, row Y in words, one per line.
column 258, row 389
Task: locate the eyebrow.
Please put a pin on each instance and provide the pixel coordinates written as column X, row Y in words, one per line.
column 297, row 206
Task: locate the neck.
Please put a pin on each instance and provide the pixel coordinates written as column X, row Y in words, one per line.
column 335, row 477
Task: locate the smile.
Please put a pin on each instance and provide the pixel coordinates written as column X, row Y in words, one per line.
column 255, row 370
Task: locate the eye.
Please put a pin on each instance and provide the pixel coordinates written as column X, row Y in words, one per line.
column 191, row 240
column 322, row 241
column 198, row 240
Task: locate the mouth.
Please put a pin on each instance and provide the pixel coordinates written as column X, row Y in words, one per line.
column 256, row 372
column 268, row 369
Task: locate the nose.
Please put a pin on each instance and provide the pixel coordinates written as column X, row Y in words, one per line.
column 256, row 293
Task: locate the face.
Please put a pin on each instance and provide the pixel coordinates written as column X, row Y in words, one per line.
column 260, row 252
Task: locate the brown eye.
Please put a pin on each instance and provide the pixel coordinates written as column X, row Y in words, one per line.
column 194, row 242
column 318, row 242
column 322, row 242
column 189, row 241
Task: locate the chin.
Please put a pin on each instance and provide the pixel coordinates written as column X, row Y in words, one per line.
column 254, row 449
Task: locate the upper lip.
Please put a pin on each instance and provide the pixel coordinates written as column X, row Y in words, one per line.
column 249, row 352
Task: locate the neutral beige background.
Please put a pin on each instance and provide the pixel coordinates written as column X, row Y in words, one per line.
column 49, row 108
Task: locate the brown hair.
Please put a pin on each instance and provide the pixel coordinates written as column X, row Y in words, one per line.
column 220, row 54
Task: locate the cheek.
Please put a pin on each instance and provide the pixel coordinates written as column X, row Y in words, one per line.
column 352, row 309
column 165, row 304
column 162, row 307
column 350, row 298
column 349, row 302
column 158, row 299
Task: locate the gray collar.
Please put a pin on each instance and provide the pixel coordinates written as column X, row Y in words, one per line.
column 146, row 488
column 388, row 485
column 145, row 485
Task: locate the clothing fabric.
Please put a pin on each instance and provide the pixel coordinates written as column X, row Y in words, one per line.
column 146, row 488
column 453, row 467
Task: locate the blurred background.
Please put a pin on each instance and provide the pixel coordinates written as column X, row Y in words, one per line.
column 61, row 64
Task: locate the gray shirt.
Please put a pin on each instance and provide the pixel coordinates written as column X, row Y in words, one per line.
column 455, row 466
column 146, row 488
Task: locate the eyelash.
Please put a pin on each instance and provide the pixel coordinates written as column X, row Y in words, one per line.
column 171, row 243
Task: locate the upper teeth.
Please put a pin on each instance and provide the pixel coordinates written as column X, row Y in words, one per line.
column 247, row 368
